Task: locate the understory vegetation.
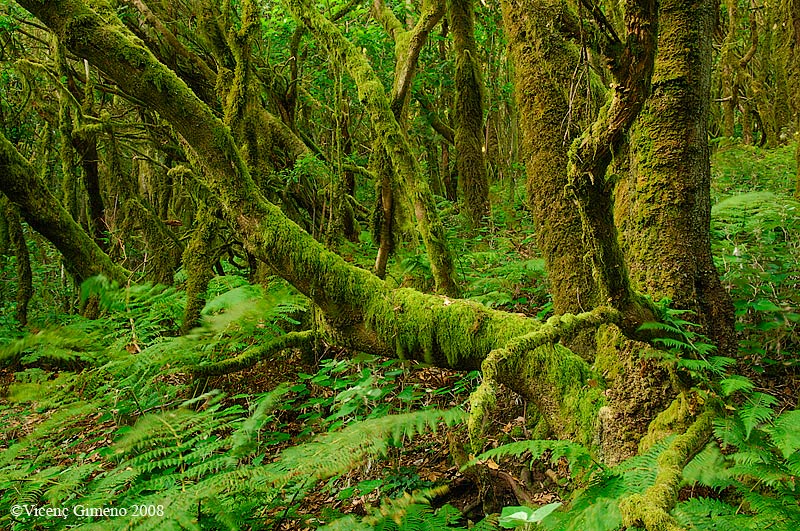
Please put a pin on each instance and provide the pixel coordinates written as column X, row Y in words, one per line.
column 252, row 421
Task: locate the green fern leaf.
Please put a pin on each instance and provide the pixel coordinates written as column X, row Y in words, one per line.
column 785, row 432
column 708, row 468
column 756, row 410
column 734, row 383
column 706, row 514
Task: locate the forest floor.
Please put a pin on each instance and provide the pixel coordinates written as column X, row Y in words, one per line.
column 430, row 460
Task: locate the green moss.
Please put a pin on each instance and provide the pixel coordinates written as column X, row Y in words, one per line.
column 544, row 63
column 198, row 261
column 651, row 509
column 560, row 383
column 43, row 212
column 671, row 420
column 481, row 405
column 606, row 362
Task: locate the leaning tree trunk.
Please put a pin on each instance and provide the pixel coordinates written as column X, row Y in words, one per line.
column 401, row 174
column 22, row 185
column 663, row 206
column 360, row 311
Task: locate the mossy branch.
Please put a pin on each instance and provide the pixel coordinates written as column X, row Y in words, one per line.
column 502, row 363
column 22, row 185
column 651, row 509
column 592, row 153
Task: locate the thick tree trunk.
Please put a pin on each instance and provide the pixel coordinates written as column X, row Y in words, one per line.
column 663, row 207
column 543, row 65
column 468, row 113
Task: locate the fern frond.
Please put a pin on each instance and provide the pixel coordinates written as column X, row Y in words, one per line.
column 242, row 439
column 333, row 453
column 757, row 409
column 781, row 513
column 785, row 432
column 708, row 468
column 734, row 383
column 348, row 523
column 707, row 514
column 580, row 459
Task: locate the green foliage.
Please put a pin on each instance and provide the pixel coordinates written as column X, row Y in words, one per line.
column 688, row 350
column 512, row 517
column 412, row 512
column 578, row 456
column 757, row 249
column 194, row 460
column 752, row 468
column 738, row 169
column 595, row 506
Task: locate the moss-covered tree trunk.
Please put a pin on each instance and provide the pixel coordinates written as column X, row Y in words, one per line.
column 198, row 260
column 45, row 214
column 406, row 174
column 468, row 113
column 663, row 205
column 360, row 311
column 543, row 65
column 578, row 235
column 16, row 239
column 729, row 71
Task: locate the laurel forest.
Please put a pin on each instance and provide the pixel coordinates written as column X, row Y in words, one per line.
column 400, row 265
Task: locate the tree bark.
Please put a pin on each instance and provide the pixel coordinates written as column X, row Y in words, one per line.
column 794, row 83
column 401, row 174
column 543, row 65
column 663, row 206
column 468, row 113
column 16, row 238
column 19, row 181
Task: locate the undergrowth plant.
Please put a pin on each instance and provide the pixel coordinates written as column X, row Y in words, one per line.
column 120, row 423
column 744, row 475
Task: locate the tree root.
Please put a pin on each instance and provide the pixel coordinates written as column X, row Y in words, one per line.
column 651, row 509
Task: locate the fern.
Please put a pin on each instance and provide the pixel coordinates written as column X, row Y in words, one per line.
column 204, row 460
column 756, row 410
column 332, row 453
column 758, row 470
column 578, row 456
column 785, row 434
column 412, row 512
